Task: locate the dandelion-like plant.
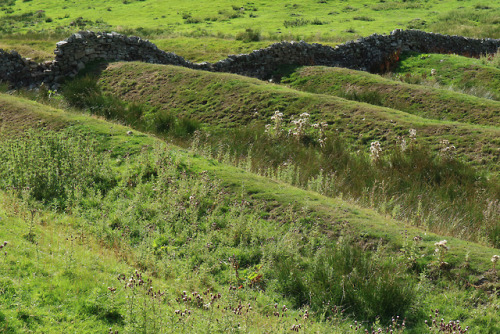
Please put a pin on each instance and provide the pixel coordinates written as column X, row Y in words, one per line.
column 413, row 134
column 441, row 250
column 494, row 260
column 276, row 128
column 375, row 150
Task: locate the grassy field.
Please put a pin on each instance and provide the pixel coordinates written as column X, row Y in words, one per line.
column 311, row 19
column 62, row 235
column 144, row 198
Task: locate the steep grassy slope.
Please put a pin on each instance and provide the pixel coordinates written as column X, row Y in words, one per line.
column 421, row 100
column 54, row 277
column 225, row 100
column 316, row 220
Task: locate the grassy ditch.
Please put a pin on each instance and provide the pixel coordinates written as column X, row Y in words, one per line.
column 406, row 180
column 227, row 100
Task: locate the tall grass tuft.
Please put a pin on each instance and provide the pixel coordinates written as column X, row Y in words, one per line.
column 53, row 167
column 414, row 184
column 84, row 93
column 364, row 284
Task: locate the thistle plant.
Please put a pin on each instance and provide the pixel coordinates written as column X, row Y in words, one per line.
column 446, row 148
column 411, row 250
column 413, row 134
column 403, row 145
column 321, row 127
column 300, row 126
column 436, row 325
column 276, row 129
column 375, row 150
column 441, row 250
column 145, row 304
column 494, row 260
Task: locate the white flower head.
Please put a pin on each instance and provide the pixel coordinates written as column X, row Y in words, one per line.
column 413, row 133
column 441, row 244
column 375, row 149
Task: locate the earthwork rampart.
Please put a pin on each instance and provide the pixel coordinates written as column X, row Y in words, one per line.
column 374, row 54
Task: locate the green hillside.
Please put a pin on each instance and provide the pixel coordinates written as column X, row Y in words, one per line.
column 141, row 198
column 225, row 100
column 479, row 77
column 417, row 99
column 59, row 233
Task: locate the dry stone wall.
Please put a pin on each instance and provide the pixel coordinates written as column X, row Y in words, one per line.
column 374, row 53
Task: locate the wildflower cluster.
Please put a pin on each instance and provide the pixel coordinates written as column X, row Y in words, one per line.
column 444, row 327
column 395, row 327
column 277, row 127
column 447, row 149
column 145, row 304
column 413, row 134
column 240, row 309
column 403, row 144
column 375, row 150
column 321, row 127
column 136, row 281
column 198, row 300
column 301, row 128
column 277, row 313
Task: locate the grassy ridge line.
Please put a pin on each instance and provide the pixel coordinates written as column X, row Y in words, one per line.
column 414, row 99
column 227, row 100
column 333, row 211
column 472, row 76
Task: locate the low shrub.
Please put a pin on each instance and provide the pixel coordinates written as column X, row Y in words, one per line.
column 249, row 35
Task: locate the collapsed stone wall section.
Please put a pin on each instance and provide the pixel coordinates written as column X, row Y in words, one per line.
column 372, row 53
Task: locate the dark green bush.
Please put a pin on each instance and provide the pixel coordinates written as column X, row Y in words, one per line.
column 249, row 35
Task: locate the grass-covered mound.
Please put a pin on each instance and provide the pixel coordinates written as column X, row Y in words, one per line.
column 226, row 100
column 420, row 99
column 239, row 245
column 404, row 178
column 479, row 77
